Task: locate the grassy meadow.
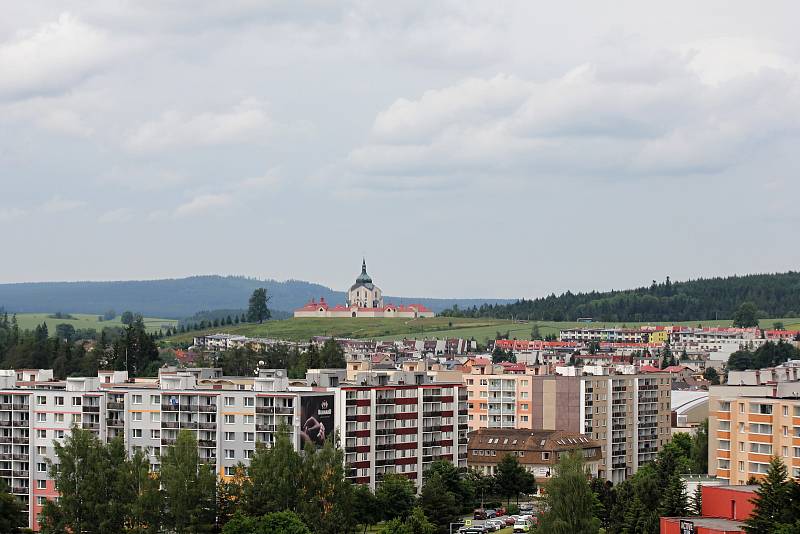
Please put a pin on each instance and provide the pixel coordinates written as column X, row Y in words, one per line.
column 29, row 321
column 437, row 327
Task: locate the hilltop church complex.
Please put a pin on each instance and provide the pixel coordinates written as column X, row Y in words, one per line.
column 364, row 299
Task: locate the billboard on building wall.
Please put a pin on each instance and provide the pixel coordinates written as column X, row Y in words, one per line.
column 316, row 418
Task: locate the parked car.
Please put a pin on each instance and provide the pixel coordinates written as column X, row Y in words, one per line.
column 479, row 513
column 495, row 524
column 509, row 520
column 501, row 511
column 491, row 513
column 522, row 525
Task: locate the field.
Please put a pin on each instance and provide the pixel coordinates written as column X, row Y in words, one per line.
column 29, row 321
column 437, row 327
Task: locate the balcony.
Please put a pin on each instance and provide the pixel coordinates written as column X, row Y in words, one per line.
column 21, row 440
column 168, row 441
column 265, row 428
column 21, row 423
column 207, row 443
column 169, row 407
column 265, row 409
column 284, row 410
column 170, row 424
column 115, row 405
column 90, row 409
column 5, row 423
column 20, row 406
column 207, row 408
column 384, row 400
column 20, row 474
column 21, row 456
column 383, row 446
column 384, row 416
column 91, row 426
column 189, row 424
column 208, row 426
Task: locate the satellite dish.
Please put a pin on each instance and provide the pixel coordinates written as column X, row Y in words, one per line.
column 279, row 373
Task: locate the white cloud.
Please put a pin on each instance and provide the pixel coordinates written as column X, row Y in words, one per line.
column 116, row 216
column 8, row 214
column 61, row 205
column 53, row 57
column 143, row 179
column 247, row 121
column 587, row 122
column 202, row 204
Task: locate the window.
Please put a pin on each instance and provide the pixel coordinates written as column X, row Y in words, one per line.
column 59, row 418
column 230, row 401
column 755, row 467
column 136, row 416
column 76, row 418
column 785, row 410
column 155, row 433
column 759, row 408
column 761, row 448
column 41, row 434
column 229, row 471
column 41, row 400
column 136, row 399
column 155, row 417
column 59, row 401
column 59, row 434
column 155, row 400
column 796, row 452
column 248, row 453
column 523, row 406
column 230, row 419
column 41, row 417
column 724, row 406
column 230, row 436
column 249, row 401
column 523, row 418
column 230, row 454
column 545, row 456
column 137, row 432
column 41, row 450
column 724, row 445
column 724, row 464
column 40, row 500
column 77, row 401
column 249, row 419
column 41, row 467
column 725, row 425
column 41, row 484
column 760, row 428
column 249, row 436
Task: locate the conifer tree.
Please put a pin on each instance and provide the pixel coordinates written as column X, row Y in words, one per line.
column 572, row 506
column 771, row 501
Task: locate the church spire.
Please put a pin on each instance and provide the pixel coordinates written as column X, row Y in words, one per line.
column 363, row 265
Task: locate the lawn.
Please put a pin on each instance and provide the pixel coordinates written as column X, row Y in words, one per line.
column 29, row 321
column 437, row 327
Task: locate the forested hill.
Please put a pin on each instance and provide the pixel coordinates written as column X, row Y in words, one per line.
column 775, row 295
column 182, row 297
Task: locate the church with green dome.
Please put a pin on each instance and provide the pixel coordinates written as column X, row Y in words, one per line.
column 364, row 299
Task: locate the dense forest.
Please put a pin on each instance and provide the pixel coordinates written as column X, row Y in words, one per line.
column 774, row 295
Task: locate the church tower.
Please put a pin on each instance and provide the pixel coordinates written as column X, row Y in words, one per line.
column 364, row 294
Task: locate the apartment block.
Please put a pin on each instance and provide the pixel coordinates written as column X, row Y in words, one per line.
column 629, row 414
column 392, row 421
column 749, row 424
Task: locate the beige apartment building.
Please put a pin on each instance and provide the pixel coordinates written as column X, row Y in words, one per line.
column 628, row 413
column 748, row 425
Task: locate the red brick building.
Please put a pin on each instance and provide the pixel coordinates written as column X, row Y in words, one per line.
column 725, row 508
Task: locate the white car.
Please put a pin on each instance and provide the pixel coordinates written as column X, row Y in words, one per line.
column 496, row 524
column 522, row 525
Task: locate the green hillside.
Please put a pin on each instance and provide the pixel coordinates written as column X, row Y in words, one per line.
column 437, row 327
column 29, row 321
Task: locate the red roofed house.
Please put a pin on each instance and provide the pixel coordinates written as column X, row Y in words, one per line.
column 364, row 299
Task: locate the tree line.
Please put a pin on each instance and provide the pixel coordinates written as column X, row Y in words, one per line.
column 773, row 295
column 243, row 361
column 770, row 354
column 131, row 348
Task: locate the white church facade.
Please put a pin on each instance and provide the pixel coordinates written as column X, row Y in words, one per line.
column 364, row 299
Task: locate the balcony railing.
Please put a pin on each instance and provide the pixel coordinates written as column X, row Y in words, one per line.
column 115, row 405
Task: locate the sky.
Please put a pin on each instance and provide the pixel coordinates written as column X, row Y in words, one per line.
column 466, row 149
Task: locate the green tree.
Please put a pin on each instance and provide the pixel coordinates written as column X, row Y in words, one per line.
column 512, row 479
column 416, row 523
column 674, row 502
column 711, row 375
column 697, row 501
column 189, row 487
column 395, row 496
column 11, row 515
column 257, row 310
column 271, row 485
column 325, row 499
column 571, row 504
column 746, row 315
column 438, row 502
column 455, row 480
column 273, row 523
column 332, row 355
column 699, row 450
column 365, row 506
column 771, row 501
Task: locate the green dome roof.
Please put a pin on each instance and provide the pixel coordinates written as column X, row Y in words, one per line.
column 363, row 278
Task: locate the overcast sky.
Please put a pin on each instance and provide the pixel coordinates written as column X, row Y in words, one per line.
column 491, row 149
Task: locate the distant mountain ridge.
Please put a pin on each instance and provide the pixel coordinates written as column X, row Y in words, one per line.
column 183, row 297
